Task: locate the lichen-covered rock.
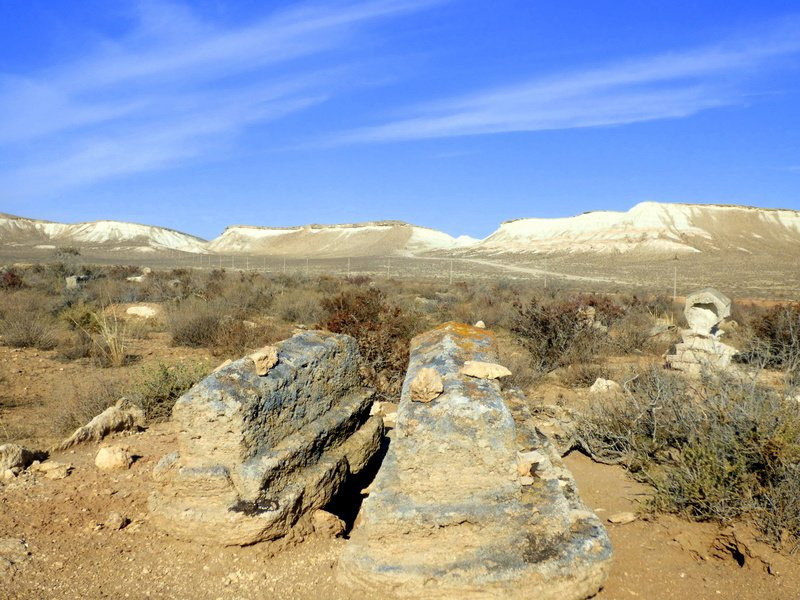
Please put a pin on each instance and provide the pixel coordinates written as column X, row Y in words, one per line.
column 471, row 500
column 256, row 453
column 123, row 416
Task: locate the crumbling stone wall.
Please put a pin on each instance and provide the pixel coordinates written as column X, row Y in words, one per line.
column 471, row 500
column 257, row 453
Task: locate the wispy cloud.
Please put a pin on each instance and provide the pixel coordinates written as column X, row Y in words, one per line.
column 175, row 88
column 672, row 85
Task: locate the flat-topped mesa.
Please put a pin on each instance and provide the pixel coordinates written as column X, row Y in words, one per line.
column 471, row 500
column 256, row 454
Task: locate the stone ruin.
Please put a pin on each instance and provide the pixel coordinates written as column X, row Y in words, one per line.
column 701, row 347
column 471, row 499
column 263, row 444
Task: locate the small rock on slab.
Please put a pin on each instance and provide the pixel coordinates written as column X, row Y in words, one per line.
column 427, row 385
column 265, row 359
column 12, row 552
column 484, row 370
column 116, row 521
column 52, row 469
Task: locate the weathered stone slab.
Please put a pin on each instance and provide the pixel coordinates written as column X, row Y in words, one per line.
column 258, row 453
column 451, row 514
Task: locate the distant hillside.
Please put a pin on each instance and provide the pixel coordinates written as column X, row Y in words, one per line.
column 108, row 235
column 362, row 239
column 649, row 228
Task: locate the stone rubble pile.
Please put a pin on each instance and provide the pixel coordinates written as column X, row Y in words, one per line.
column 471, row 500
column 701, row 347
column 265, row 441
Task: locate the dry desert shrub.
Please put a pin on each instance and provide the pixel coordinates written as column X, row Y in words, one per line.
column 26, row 320
column 297, row 305
column 84, row 400
column 160, row 385
column 583, row 375
column 775, row 341
column 723, row 448
column 558, row 333
column 193, row 323
column 382, row 330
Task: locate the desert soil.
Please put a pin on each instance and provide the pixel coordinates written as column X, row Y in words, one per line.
column 75, row 554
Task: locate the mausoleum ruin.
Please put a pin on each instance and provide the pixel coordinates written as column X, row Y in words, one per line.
column 701, row 347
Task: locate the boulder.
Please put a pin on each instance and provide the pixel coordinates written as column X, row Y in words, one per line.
column 327, row 524
column 123, row 416
column 605, row 386
column 113, row 458
column 257, row 455
column 14, row 457
column 426, row 386
column 472, row 501
column 142, row 311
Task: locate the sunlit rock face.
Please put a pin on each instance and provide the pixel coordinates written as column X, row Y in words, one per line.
column 471, row 500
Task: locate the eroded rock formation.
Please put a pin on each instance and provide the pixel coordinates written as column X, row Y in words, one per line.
column 471, row 499
column 257, row 454
column 701, row 347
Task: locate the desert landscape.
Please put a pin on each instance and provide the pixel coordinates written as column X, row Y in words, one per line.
column 399, row 299
column 592, row 361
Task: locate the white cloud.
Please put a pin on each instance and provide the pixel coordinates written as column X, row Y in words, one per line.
column 173, row 89
column 658, row 87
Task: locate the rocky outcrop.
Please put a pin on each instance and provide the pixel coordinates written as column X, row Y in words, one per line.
column 258, row 454
column 122, row 416
column 472, row 501
column 15, row 458
column 701, row 347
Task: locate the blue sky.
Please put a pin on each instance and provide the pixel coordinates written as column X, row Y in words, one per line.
column 453, row 114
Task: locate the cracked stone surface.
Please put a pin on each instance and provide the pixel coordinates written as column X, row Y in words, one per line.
column 472, row 501
column 258, row 454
